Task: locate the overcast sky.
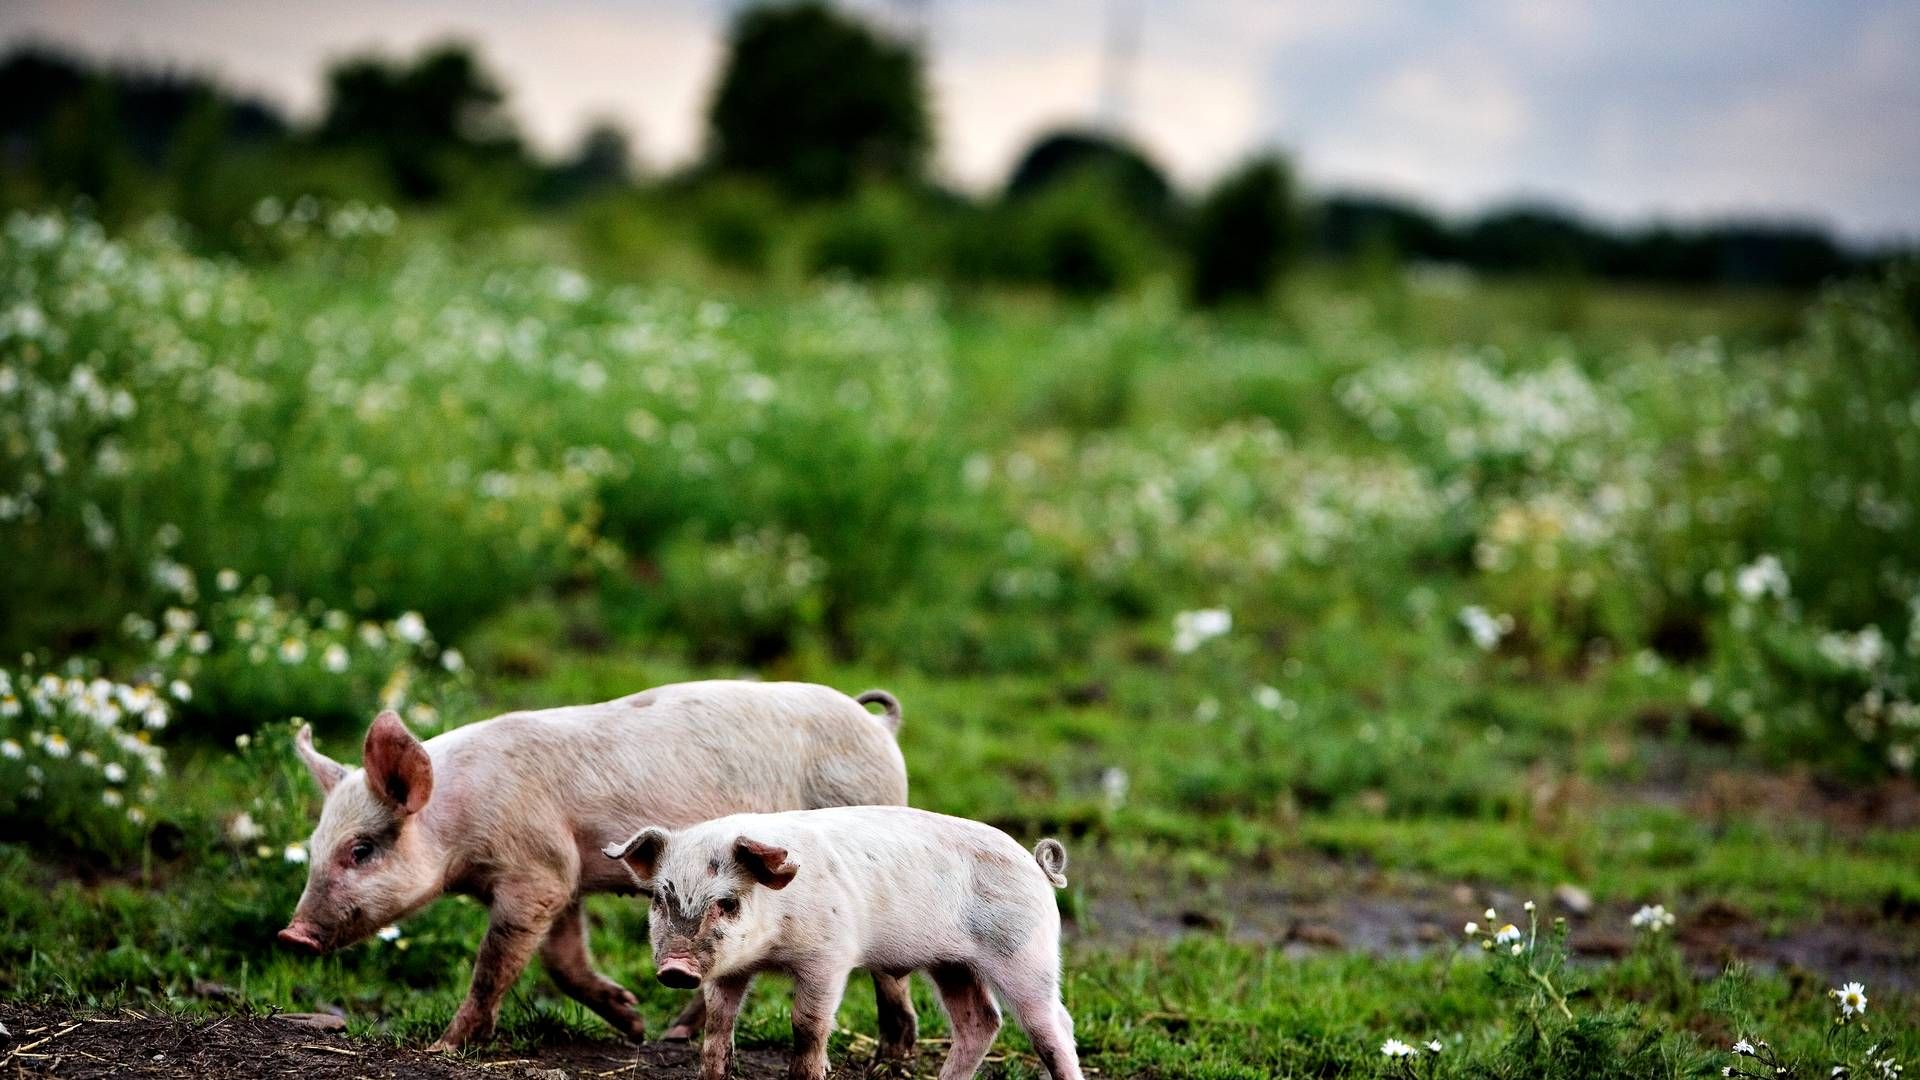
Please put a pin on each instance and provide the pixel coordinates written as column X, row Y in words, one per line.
column 1621, row 108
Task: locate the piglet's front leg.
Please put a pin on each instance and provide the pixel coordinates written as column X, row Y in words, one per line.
column 723, row 997
column 816, row 997
column 519, row 921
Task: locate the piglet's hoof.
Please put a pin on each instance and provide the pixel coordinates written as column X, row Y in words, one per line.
column 677, row 1033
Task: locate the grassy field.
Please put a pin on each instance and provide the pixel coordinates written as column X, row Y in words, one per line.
column 1315, row 631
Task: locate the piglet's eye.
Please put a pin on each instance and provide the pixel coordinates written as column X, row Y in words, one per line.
column 361, row 851
column 727, row 906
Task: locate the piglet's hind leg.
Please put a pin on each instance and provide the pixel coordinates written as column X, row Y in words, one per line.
column 972, row 1015
column 1034, row 996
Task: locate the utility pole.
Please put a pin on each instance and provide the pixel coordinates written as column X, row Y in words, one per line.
column 915, row 19
column 1117, row 64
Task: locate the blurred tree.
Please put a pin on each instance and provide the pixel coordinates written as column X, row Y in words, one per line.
column 1066, row 154
column 433, row 122
column 1356, row 225
column 83, row 152
column 605, row 156
column 1532, row 238
column 602, row 162
column 1245, row 233
column 101, row 133
column 817, row 102
column 34, row 84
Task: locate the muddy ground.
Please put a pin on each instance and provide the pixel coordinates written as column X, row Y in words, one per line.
column 84, row 1045
column 1322, row 905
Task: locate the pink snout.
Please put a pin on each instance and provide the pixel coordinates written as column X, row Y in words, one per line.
column 678, row 972
column 301, row 936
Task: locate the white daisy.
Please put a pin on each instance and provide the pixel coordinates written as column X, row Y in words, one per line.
column 1852, row 998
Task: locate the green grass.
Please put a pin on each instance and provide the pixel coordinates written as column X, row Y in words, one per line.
column 996, row 505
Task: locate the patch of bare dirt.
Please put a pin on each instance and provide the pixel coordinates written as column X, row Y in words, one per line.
column 1321, row 905
column 82, row 1045
column 1719, row 794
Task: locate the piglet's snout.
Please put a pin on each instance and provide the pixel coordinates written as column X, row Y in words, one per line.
column 301, row 936
column 678, row 972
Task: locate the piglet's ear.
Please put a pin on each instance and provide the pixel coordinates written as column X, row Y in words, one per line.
column 641, row 852
column 398, row 769
column 769, row 865
column 326, row 771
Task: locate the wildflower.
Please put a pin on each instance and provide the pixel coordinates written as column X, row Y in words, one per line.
column 1394, row 1048
column 1506, row 935
column 1192, row 629
column 57, row 746
column 452, row 660
column 242, row 740
column 1433, row 1046
column 1743, row 1047
column 1472, row 928
column 1484, row 628
column 9, row 706
column 1852, row 998
column 1491, row 915
column 388, row 933
column 1652, row 918
column 294, row 853
column 1528, row 906
column 136, row 815
column 112, row 797
column 1763, row 577
column 263, row 851
column 1517, row 949
column 335, row 658
column 227, row 580
column 114, row 772
column 243, row 828
column 293, row 650
column 1113, row 787
column 410, row 628
column 180, row 690
column 11, row 749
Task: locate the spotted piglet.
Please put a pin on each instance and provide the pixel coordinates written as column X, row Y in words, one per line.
column 817, row 893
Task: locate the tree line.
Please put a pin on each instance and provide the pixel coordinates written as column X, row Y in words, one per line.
column 814, row 109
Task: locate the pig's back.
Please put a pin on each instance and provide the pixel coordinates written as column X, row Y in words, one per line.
column 673, row 755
